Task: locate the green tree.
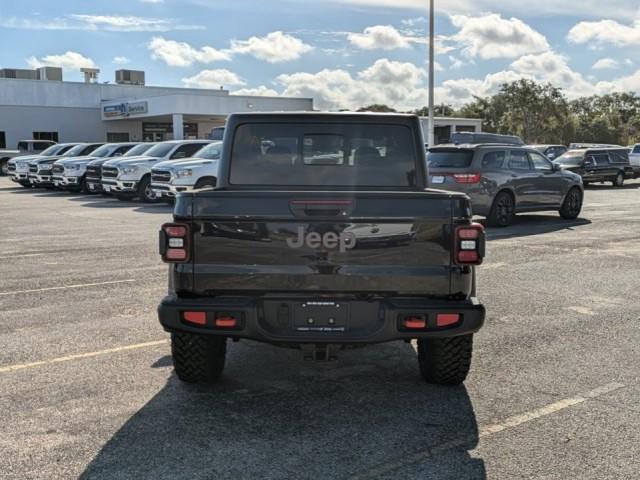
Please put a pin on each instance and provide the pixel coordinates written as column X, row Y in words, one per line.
column 377, row 108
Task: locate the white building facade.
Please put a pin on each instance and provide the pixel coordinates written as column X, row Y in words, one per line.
column 93, row 112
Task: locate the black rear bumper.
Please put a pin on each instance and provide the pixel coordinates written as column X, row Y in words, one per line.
column 288, row 320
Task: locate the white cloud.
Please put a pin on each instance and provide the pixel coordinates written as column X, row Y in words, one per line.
column 456, row 63
column 121, row 60
column 397, row 84
column 606, row 32
column 621, row 9
column 260, row 91
column 606, row 64
column 383, row 37
column 112, row 23
column 276, row 47
column 213, row 79
column 491, row 36
column 181, row 54
column 68, row 60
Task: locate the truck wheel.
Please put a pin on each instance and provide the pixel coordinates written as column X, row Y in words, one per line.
column 144, row 190
column 619, row 180
column 445, row 361
column 502, row 210
column 205, row 183
column 4, row 167
column 572, row 204
column 198, row 358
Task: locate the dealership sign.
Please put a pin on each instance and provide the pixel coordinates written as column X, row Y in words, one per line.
column 125, row 109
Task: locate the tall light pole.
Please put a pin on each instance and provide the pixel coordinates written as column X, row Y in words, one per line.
column 430, row 135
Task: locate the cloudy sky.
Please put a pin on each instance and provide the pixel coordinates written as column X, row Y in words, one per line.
column 343, row 53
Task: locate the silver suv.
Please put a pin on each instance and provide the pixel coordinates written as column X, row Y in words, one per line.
column 130, row 177
column 503, row 180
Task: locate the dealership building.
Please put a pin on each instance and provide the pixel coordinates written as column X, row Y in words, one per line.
column 38, row 104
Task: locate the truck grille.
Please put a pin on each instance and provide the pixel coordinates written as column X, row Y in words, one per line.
column 110, row 172
column 94, row 172
column 33, row 169
column 57, row 169
column 160, row 176
column 12, row 167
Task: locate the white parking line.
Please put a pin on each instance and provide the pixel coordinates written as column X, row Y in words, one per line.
column 79, row 356
column 488, row 430
column 64, row 287
column 22, row 255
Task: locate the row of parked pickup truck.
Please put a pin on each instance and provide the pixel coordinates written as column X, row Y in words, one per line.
column 145, row 171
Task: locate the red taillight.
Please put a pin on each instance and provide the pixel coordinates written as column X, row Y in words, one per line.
column 467, row 177
column 199, row 318
column 446, row 319
column 415, row 322
column 469, row 244
column 175, row 241
column 226, row 322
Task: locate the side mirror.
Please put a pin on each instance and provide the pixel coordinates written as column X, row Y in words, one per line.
column 179, row 155
column 555, row 167
column 588, row 163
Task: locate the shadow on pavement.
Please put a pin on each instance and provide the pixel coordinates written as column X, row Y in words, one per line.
column 626, row 186
column 275, row 416
column 525, row 225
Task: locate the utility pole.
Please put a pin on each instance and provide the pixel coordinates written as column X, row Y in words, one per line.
column 430, row 134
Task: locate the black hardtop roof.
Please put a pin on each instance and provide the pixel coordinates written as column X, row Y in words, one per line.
column 367, row 117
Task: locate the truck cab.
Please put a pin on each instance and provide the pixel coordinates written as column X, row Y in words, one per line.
column 322, row 234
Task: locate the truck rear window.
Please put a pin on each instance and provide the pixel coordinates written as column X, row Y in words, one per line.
column 449, row 158
column 332, row 154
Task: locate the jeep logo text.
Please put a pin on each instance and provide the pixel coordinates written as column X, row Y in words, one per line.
column 330, row 240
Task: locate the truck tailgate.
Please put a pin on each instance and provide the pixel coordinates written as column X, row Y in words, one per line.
column 322, row 242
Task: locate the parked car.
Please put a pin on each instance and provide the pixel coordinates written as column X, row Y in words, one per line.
column 65, row 175
column 40, row 167
column 18, row 167
column 551, row 151
column 273, row 254
column 130, row 178
column 609, row 164
column 94, row 168
column 25, row 147
column 503, row 180
column 634, row 159
column 174, row 176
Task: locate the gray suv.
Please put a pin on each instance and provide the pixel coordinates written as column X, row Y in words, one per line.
column 503, row 180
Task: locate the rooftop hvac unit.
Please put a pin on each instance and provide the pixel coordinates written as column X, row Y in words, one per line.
column 130, row 77
column 18, row 73
column 50, row 73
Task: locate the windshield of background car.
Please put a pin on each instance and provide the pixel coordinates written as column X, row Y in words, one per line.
column 160, row 150
column 103, row 151
column 210, row 152
column 339, row 155
column 75, row 151
column 138, row 149
column 55, row 150
column 570, row 159
column 449, row 158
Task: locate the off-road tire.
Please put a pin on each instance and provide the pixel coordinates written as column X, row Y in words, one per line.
column 445, row 361
column 619, row 180
column 205, row 183
column 572, row 204
column 198, row 358
column 502, row 210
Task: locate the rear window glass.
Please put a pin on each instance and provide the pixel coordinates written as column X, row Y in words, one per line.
column 494, row 160
column 449, row 158
column 323, row 155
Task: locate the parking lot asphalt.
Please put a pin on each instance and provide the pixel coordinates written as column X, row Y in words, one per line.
column 87, row 388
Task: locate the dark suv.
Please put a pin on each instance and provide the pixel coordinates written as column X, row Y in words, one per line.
column 503, row 180
column 599, row 164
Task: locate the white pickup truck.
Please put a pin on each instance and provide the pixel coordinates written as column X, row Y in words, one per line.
column 174, row 176
column 25, row 147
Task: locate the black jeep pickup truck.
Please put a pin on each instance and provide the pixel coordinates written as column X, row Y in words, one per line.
column 322, row 234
